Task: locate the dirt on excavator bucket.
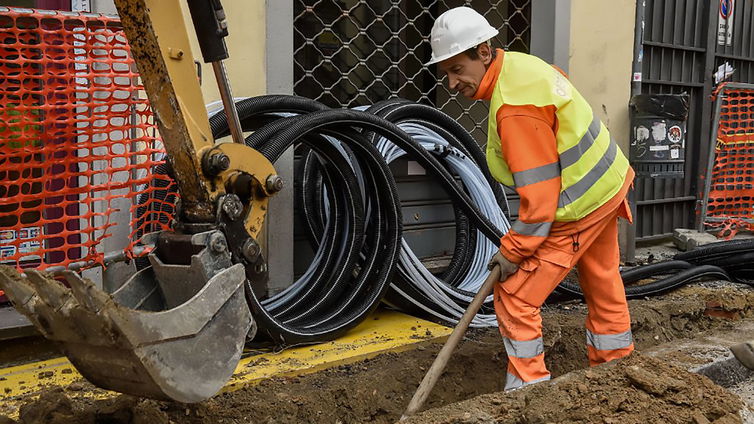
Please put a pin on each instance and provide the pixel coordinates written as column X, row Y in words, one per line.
column 138, row 340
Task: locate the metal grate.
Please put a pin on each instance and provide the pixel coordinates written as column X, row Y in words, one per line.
column 679, row 50
column 355, row 52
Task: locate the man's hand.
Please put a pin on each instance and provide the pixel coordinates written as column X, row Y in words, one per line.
column 507, row 268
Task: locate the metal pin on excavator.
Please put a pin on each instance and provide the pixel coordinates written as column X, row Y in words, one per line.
column 154, row 335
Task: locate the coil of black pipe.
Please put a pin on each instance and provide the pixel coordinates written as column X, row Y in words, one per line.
column 320, row 308
column 353, row 219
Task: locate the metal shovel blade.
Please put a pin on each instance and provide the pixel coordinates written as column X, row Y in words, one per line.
column 131, row 342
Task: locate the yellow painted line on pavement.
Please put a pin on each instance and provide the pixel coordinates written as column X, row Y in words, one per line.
column 384, row 331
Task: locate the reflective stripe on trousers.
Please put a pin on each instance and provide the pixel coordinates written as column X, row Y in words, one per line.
column 609, row 341
column 512, row 382
column 518, row 349
column 524, row 349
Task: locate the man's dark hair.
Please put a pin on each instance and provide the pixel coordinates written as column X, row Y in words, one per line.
column 473, row 53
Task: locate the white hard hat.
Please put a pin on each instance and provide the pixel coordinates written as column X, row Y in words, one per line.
column 458, row 30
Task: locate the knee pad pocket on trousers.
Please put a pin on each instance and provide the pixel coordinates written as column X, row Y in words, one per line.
column 526, row 269
column 538, row 276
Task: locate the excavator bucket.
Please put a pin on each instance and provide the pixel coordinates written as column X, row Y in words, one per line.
column 171, row 332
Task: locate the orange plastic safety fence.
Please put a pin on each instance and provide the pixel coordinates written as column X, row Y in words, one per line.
column 731, row 194
column 77, row 141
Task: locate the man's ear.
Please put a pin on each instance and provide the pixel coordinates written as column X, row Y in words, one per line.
column 484, row 51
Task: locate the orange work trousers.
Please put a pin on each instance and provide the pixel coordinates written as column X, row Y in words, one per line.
column 519, row 298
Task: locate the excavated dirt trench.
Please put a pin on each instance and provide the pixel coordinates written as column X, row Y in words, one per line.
column 377, row 390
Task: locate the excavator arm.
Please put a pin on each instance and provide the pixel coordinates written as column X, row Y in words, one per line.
column 176, row 329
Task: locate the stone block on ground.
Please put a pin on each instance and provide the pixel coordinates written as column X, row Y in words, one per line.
column 687, row 239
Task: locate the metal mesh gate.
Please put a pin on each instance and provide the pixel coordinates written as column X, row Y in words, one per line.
column 356, row 52
column 678, row 51
column 351, row 53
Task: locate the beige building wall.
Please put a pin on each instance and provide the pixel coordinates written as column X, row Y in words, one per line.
column 600, row 66
column 246, row 45
column 601, row 56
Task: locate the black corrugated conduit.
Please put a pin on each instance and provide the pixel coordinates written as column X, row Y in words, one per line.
column 727, row 260
column 352, row 216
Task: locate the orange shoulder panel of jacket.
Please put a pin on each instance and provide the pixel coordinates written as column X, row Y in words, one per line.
column 528, row 142
column 545, row 113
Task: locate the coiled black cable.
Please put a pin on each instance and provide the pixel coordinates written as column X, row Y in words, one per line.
column 353, row 219
column 295, row 128
column 449, row 128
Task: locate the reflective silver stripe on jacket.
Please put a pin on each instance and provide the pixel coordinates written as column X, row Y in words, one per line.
column 536, row 175
column 574, row 153
column 540, row 229
column 526, row 349
column 512, row 382
column 609, row 341
column 574, row 192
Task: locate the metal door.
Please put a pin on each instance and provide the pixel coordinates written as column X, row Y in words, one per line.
column 678, row 49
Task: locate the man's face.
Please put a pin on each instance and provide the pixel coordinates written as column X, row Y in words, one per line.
column 464, row 73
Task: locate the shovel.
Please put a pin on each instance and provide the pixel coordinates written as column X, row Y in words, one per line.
column 430, row 379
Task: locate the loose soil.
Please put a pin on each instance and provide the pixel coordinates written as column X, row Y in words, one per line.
column 377, row 390
column 635, row 390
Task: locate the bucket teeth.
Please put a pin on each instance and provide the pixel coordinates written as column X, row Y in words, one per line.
column 15, row 287
column 50, row 291
column 86, row 293
column 132, row 341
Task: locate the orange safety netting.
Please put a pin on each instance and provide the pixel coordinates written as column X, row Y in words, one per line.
column 78, row 144
column 731, row 196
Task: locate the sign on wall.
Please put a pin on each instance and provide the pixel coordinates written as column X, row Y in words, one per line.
column 725, row 23
column 81, row 5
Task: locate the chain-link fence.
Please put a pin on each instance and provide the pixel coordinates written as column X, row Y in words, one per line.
column 356, row 52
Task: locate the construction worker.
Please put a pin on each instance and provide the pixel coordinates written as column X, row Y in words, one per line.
column 545, row 141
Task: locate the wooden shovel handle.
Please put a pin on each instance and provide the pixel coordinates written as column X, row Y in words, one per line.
column 430, row 379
